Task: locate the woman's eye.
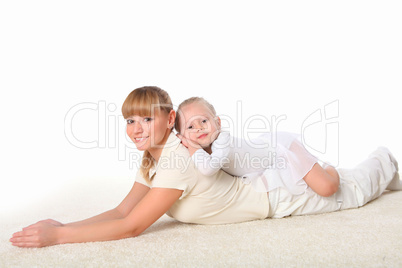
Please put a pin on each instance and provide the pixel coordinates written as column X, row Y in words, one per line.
column 147, row 119
column 190, row 127
column 204, row 121
column 130, row 121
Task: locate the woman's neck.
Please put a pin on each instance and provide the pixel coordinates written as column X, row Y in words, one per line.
column 156, row 152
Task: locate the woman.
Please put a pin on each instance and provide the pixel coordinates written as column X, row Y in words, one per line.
column 167, row 182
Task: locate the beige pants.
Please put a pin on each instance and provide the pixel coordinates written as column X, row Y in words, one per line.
column 357, row 187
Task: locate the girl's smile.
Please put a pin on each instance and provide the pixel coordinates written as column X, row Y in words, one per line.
column 203, row 136
column 200, row 126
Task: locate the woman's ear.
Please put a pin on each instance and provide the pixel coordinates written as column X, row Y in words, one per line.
column 172, row 118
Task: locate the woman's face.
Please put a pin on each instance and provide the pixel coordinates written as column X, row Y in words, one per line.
column 148, row 132
column 199, row 125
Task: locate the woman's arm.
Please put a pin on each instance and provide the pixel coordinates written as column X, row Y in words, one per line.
column 150, row 208
column 156, row 202
column 138, row 191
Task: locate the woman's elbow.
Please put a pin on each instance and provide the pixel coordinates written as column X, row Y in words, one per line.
column 129, row 233
column 136, row 232
column 132, row 229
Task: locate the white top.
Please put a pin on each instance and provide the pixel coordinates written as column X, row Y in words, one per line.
column 216, row 199
column 235, row 156
column 271, row 161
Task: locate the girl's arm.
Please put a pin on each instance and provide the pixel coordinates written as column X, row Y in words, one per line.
column 209, row 164
column 130, row 218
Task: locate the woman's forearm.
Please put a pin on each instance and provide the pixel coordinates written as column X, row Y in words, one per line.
column 112, row 214
column 111, row 225
column 96, row 231
column 134, row 196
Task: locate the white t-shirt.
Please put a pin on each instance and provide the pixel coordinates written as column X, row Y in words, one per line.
column 235, row 156
column 270, row 161
column 217, row 199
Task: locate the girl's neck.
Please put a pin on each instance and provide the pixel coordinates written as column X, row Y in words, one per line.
column 208, row 149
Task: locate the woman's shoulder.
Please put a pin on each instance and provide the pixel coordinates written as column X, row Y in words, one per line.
column 174, row 148
column 175, row 159
column 174, row 169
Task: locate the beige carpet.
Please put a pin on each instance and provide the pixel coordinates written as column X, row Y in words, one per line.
column 367, row 237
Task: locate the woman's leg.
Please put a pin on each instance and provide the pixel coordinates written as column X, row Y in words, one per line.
column 323, row 181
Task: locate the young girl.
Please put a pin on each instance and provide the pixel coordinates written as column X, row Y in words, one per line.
column 266, row 166
column 165, row 185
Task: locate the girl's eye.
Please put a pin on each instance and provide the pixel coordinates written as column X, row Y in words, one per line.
column 130, row 121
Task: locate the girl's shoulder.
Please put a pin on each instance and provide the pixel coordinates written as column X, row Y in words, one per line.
column 224, row 139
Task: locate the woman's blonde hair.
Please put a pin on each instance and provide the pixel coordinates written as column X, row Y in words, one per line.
column 146, row 101
column 187, row 102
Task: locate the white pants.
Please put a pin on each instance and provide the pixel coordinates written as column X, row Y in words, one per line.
column 357, row 187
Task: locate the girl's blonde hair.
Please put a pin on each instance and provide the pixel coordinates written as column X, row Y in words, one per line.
column 190, row 101
column 146, row 101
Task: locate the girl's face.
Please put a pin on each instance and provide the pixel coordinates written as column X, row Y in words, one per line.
column 199, row 125
column 149, row 132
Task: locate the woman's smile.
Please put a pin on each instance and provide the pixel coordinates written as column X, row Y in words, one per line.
column 136, row 140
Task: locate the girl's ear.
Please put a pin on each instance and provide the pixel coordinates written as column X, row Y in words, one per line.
column 172, row 118
column 218, row 121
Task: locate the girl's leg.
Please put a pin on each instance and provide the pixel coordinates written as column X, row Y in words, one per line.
column 358, row 186
column 396, row 182
column 369, row 179
column 323, row 181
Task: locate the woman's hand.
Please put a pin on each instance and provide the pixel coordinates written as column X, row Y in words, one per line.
column 40, row 234
column 53, row 222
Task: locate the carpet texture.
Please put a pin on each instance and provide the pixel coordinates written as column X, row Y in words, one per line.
column 370, row 236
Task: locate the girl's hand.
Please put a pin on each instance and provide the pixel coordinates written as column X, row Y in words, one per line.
column 190, row 145
column 41, row 234
column 183, row 140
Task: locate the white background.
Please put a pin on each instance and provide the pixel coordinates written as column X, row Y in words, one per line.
column 278, row 58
